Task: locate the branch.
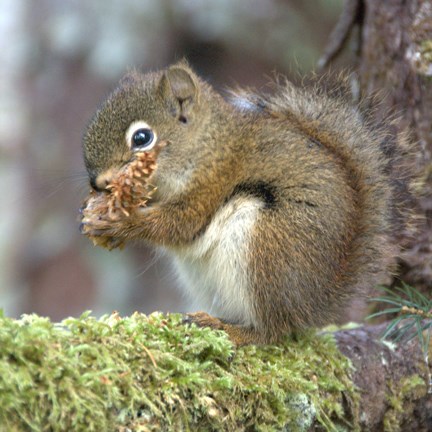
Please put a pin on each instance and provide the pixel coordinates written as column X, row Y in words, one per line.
column 154, row 373
column 351, row 15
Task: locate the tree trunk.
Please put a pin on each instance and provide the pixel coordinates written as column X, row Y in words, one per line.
column 394, row 59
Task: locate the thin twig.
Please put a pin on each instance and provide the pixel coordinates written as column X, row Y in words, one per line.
column 349, row 17
column 415, row 311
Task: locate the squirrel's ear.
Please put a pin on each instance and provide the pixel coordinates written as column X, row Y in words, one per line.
column 178, row 87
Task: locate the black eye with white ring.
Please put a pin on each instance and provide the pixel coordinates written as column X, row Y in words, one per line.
column 140, row 136
column 142, row 139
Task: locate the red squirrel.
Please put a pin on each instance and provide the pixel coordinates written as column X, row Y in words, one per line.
column 277, row 209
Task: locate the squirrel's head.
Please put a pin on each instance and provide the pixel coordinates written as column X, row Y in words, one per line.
column 170, row 106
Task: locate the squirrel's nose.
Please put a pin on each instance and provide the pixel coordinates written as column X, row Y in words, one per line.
column 100, row 182
column 94, row 185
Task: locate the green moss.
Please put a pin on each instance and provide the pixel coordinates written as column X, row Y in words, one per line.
column 154, row 373
column 409, row 388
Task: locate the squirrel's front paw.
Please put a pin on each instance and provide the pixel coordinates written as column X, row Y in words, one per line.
column 100, row 237
column 100, row 223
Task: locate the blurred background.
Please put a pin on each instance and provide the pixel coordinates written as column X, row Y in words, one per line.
column 59, row 59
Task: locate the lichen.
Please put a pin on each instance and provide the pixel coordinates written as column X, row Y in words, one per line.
column 151, row 373
column 389, row 344
column 299, row 402
column 426, row 48
column 420, row 56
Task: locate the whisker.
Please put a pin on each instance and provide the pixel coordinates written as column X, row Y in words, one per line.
column 45, row 184
column 153, row 260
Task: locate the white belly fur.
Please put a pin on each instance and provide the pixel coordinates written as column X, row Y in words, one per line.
column 214, row 271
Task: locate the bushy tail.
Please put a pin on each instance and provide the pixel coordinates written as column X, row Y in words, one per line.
column 375, row 157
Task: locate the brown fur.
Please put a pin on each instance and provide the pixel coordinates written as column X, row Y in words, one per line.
column 322, row 178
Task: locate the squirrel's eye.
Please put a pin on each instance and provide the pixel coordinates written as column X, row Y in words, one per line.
column 142, row 138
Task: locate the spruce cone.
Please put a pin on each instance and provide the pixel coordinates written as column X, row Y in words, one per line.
column 131, row 188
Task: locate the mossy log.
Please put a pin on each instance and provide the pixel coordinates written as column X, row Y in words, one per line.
column 153, row 373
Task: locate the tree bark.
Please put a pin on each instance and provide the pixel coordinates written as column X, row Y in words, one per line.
column 393, row 58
